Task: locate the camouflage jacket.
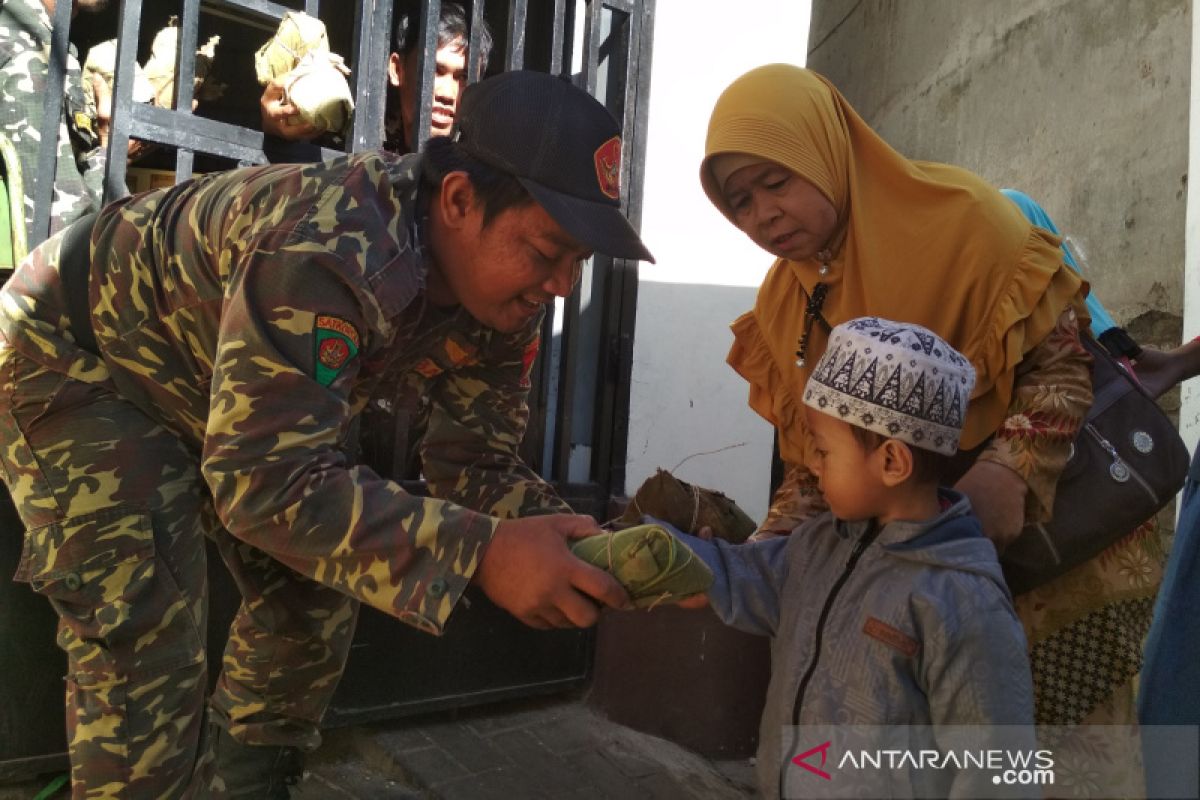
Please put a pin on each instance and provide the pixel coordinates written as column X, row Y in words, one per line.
column 24, row 58
column 252, row 312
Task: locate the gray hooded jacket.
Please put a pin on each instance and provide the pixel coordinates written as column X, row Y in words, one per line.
column 914, row 627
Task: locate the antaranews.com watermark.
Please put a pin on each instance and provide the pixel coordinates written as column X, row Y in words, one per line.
column 836, row 761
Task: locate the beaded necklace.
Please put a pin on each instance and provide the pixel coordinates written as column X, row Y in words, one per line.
column 812, row 309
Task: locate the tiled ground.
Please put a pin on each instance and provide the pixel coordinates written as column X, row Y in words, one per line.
column 521, row 750
column 531, row 750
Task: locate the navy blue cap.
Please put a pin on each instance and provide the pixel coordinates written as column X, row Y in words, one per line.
column 561, row 144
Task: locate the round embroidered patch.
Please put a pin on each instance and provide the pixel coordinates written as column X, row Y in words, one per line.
column 333, row 353
column 336, row 342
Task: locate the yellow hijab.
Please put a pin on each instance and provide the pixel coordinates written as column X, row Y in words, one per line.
column 917, row 242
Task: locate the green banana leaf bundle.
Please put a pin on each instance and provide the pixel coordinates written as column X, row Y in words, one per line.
column 653, row 565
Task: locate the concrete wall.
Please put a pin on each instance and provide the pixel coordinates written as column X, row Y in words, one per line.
column 1081, row 103
column 1189, row 417
column 687, row 407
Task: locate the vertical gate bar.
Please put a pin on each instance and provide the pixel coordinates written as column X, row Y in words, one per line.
column 431, row 13
column 185, row 74
column 517, row 12
column 567, row 366
column 52, row 105
column 557, row 36
column 381, row 48
column 361, row 49
column 622, row 55
column 185, row 57
column 184, row 159
column 569, row 343
column 312, row 7
column 621, row 72
column 372, row 32
column 625, row 290
column 122, row 101
column 569, row 44
column 591, row 45
column 475, row 41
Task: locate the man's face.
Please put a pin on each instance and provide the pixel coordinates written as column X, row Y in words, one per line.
column 450, row 76
column 503, row 274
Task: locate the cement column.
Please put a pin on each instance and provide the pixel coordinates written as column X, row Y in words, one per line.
column 1189, row 412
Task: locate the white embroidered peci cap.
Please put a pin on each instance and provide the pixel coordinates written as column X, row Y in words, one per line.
column 894, row 378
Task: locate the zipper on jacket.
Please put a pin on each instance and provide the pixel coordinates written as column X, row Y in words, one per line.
column 860, row 547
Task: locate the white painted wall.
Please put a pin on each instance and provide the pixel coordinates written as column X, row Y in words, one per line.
column 685, row 401
column 1189, row 411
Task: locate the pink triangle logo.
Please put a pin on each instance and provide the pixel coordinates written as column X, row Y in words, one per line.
column 801, row 760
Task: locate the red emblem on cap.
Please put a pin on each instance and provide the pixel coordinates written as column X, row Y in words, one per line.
column 608, row 167
column 333, row 353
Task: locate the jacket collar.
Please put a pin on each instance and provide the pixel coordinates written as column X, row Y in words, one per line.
column 955, row 505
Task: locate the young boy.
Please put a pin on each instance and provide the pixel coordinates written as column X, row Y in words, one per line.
column 891, row 608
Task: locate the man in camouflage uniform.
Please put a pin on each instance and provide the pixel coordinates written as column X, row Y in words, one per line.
column 25, row 30
column 240, row 322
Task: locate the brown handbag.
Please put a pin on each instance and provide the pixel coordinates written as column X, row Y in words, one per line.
column 1126, row 463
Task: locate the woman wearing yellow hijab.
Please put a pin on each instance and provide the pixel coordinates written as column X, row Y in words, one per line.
column 858, row 229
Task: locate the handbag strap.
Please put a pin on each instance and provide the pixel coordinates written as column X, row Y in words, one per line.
column 1110, row 380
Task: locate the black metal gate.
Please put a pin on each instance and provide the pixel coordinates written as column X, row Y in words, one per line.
column 579, row 405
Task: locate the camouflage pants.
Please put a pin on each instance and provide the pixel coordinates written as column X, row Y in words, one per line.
column 116, row 517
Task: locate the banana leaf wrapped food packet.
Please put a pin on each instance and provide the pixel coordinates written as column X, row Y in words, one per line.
column 652, row 564
column 689, row 508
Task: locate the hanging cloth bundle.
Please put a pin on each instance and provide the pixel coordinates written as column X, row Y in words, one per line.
column 688, row 507
column 314, row 79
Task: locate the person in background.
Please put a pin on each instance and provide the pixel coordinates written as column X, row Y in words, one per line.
column 25, row 34
column 279, row 118
column 1157, row 370
column 1169, row 685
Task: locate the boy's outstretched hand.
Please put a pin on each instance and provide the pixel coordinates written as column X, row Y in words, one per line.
column 529, row 571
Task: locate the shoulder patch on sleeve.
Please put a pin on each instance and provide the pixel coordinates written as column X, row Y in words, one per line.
column 336, row 341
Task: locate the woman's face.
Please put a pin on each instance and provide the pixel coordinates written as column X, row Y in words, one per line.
column 783, row 213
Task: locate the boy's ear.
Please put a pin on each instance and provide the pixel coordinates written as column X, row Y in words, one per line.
column 897, row 458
